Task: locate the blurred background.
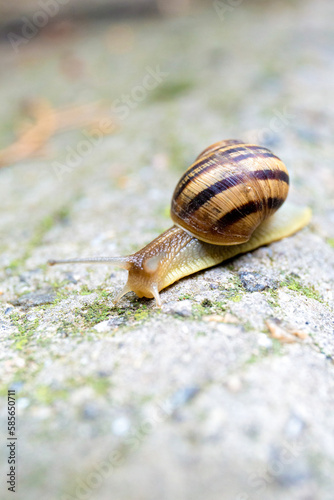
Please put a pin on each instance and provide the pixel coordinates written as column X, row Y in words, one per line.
column 259, row 71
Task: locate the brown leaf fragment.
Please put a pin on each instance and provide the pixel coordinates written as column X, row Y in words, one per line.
column 298, row 333
column 32, row 138
column 287, row 334
column 44, row 121
column 217, row 318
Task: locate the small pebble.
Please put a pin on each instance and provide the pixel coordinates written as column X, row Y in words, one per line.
column 103, row 326
column 288, row 466
column 103, row 373
column 115, row 321
column 31, row 317
column 90, row 411
column 35, row 299
column 109, row 324
column 70, row 278
column 255, row 282
column 294, row 427
column 120, row 426
column 182, row 396
column 181, row 308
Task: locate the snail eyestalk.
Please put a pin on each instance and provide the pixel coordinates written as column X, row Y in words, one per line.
column 119, row 261
column 141, row 280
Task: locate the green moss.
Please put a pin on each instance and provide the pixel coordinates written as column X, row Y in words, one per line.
column 292, row 283
column 23, row 376
column 61, row 295
column 253, row 358
column 47, row 395
column 85, row 290
column 236, row 282
column 94, row 313
column 25, row 330
column 247, row 326
column 37, row 238
column 100, row 385
column 170, row 90
column 206, row 308
column 235, row 291
column 16, row 263
column 219, row 306
column 101, row 309
column 46, row 224
column 272, row 297
column 198, row 311
column 185, row 296
column 67, row 328
column 103, row 293
column 141, row 314
column 330, row 242
column 277, row 347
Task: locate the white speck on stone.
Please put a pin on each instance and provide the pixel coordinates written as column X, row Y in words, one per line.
column 31, row 317
column 186, row 358
column 264, row 341
column 234, row 383
column 180, row 308
column 22, row 403
column 284, row 296
column 42, row 412
column 120, row 426
column 102, row 327
column 294, row 427
column 20, row 362
column 217, row 418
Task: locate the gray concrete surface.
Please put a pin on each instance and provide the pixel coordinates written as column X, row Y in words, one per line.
column 227, row 392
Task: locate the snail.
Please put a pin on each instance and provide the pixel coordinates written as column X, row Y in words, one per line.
column 225, row 204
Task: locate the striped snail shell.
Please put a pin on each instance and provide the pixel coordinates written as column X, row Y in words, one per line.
column 230, row 189
column 225, row 204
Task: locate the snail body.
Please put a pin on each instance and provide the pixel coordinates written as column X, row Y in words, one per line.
column 225, row 204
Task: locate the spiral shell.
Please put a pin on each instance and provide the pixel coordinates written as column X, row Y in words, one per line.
column 228, row 191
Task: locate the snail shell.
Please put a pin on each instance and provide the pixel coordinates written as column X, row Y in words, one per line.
column 230, row 189
column 225, row 204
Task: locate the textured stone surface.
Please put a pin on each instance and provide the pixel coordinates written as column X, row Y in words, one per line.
column 196, row 400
